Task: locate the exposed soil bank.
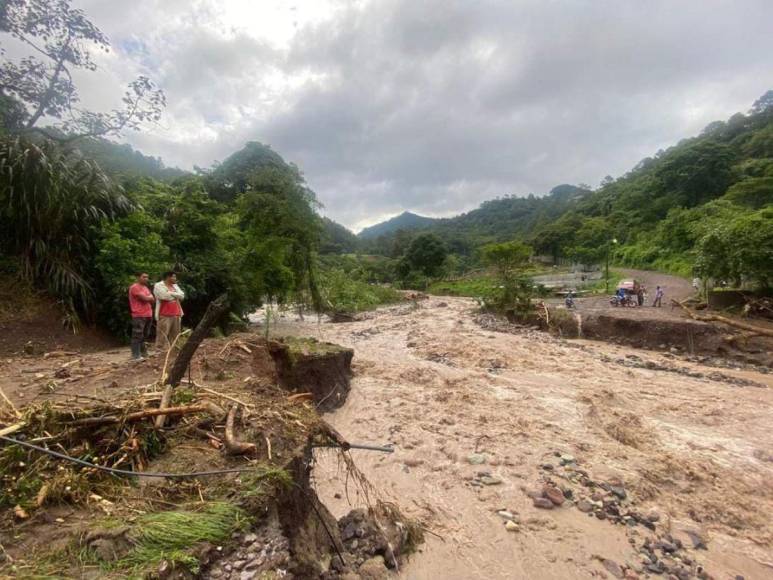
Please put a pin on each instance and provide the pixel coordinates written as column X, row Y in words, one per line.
column 322, row 369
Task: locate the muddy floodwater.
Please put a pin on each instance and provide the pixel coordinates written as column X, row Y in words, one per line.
column 481, row 420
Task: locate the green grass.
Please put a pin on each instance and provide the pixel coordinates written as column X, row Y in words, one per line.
column 600, row 287
column 171, row 535
column 473, row 287
column 341, row 292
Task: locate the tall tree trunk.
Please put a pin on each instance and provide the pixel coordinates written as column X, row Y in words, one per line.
column 212, row 316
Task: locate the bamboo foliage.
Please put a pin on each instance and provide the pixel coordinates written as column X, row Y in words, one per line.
column 51, row 203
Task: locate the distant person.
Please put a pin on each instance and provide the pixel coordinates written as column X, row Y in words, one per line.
column 569, row 301
column 640, row 296
column 696, row 285
column 658, row 297
column 169, row 312
column 140, row 306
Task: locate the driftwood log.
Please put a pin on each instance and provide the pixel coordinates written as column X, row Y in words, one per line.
column 206, row 407
column 749, row 328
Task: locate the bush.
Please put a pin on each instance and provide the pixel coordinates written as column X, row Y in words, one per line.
column 342, row 293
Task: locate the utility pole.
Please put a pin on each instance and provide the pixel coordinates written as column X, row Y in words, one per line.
column 609, row 243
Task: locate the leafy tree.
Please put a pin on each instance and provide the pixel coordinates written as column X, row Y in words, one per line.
column 763, row 105
column 426, row 254
column 131, row 244
column 61, row 40
column 336, row 239
column 754, row 191
column 696, row 174
column 277, row 213
column 508, row 261
column 739, row 250
column 235, row 175
column 592, row 241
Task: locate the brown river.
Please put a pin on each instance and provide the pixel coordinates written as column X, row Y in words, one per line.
column 479, row 419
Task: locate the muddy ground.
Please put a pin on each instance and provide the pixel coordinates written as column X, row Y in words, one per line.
column 481, row 420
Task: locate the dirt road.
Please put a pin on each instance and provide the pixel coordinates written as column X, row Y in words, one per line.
column 694, row 453
column 673, row 286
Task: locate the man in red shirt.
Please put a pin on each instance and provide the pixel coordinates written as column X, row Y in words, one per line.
column 140, row 305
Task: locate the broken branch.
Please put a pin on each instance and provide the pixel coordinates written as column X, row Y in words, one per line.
column 232, row 445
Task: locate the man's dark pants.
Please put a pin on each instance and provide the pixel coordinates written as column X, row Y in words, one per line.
column 140, row 333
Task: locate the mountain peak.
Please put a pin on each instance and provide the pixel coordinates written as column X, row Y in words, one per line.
column 404, row 221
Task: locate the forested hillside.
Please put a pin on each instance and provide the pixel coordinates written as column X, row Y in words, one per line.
column 700, row 207
column 404, row 221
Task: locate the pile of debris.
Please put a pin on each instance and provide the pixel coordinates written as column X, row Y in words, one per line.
column 197, row 479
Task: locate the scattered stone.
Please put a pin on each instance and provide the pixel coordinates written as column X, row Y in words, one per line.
column 490, row 480
column 506, row 515
column 697, row 540
column 20, row 513
column 548, row 466
column 567, row 460
column 543, row 503
column 618, row 490
column 476, row 459
column 652, row 517
column 613, row 568
column 554, row 494
column 511, row 526
column 413, row 462
column 584, row 506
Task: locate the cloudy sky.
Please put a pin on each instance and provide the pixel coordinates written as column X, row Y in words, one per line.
column 434, row 106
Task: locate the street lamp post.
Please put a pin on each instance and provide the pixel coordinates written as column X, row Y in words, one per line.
column 609, row 245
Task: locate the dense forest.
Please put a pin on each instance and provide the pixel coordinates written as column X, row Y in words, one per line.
column 83, row 213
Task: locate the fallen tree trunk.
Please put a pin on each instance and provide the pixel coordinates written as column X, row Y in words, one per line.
column 724, row 320
column 212, row 316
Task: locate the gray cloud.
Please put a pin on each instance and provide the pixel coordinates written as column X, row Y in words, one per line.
column 436, row 106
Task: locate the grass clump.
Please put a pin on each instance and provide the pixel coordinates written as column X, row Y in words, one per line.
column 306, row 346
column 171, row 535
column 472, row 287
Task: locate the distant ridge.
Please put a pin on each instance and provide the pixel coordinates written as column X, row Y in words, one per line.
column 404, row 221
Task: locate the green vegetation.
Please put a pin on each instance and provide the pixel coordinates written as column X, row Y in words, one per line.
column 83, row 214
column 343, row 293
column 473, row 286
column 701, row 207
column 172, row 535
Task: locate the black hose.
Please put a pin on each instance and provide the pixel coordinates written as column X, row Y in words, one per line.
column 382, row 448
column 127, row 473
column 123, row 472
